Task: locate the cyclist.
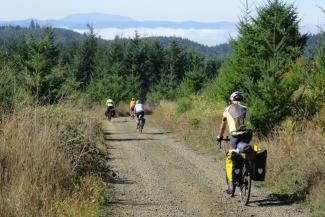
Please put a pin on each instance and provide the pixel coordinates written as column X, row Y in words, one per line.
column 138, row 110
column 110, row 106
column 235, row 115
column 132, row 105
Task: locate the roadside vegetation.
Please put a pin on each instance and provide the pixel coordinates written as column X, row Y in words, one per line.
column 53, row 162
column 285, row 92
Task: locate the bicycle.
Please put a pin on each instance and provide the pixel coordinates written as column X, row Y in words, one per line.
column 140, row 124
column 245, row 156
column 132, row 114
column 109, row 114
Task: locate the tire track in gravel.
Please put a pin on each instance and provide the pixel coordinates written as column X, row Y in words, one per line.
column 158, row 176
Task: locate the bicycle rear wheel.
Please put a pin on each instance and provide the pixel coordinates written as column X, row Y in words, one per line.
column 245, row 187
column 141, row 125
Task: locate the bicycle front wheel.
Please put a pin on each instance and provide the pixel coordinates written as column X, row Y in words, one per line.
column 245, row 188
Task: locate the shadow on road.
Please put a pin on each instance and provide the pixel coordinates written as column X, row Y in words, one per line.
column 123, row 181
column 126, row 203
column 158, row 133
column 274, row 200
column 107, row 133
column 119, row 121
column 129, row 139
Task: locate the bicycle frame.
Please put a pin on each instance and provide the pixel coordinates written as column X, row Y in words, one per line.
column 246, row 179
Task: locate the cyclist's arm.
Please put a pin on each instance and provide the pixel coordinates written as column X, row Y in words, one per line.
column 222, row 127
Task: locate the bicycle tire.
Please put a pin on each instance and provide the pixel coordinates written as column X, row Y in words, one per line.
column 245, row 187
column 140, row 125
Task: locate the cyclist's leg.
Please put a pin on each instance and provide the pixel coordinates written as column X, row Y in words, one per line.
column 233, row 145
column 233, row 142
column 132, row 111
column 108, row 110
column 137, row 116
column 141, row 116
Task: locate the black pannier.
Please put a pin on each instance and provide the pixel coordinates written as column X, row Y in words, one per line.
column 237, row 166
column 259, row 166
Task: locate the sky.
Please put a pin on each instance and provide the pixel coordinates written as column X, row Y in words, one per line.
column 171, row 10
column 163, row 10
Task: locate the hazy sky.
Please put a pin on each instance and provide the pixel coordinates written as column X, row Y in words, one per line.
column 173, row 10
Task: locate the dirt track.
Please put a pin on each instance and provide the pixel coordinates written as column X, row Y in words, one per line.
column 160, row 176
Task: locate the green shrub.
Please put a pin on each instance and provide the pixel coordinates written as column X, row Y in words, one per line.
column 192, row 83
column 183, row 105
column 12, row 94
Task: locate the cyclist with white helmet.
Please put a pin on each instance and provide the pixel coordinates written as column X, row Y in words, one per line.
column 235, row 116
column 139, row 110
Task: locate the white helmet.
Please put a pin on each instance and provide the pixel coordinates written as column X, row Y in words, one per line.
column 236, row 96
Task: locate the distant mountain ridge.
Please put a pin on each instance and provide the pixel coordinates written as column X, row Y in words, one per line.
column 100, row 20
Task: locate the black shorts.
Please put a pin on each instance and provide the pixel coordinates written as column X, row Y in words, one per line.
column 138, row 114
column 246, row 137
column 109, row 108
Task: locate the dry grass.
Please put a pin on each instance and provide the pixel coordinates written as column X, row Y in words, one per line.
column 296, row 163
column 46, row 156
column 122, row 109
column 198, row 126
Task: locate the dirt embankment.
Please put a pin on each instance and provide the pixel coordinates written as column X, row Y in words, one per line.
column 157, row 175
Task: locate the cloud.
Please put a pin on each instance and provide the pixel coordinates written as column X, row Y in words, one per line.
column 210, row 37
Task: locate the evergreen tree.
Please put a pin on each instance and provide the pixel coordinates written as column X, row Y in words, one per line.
column 176, row 60
column 193, row 82
column 87, row 63
column 135, row 59
column 116, row 51
column 211, row 67
column 267, row 48
column 153, row 65
column 32, row 24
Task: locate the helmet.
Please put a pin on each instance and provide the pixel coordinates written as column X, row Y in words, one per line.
column 133, row 98
column 138, row 101
column 236, row 96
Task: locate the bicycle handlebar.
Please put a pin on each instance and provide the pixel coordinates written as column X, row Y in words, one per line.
column 223, row 139
column 226, row 139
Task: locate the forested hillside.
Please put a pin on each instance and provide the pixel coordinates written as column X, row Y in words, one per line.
column 46, row 70
column 210, row 52
column 10, row 34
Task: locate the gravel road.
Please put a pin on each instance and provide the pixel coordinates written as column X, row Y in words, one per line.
column 157, row 175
